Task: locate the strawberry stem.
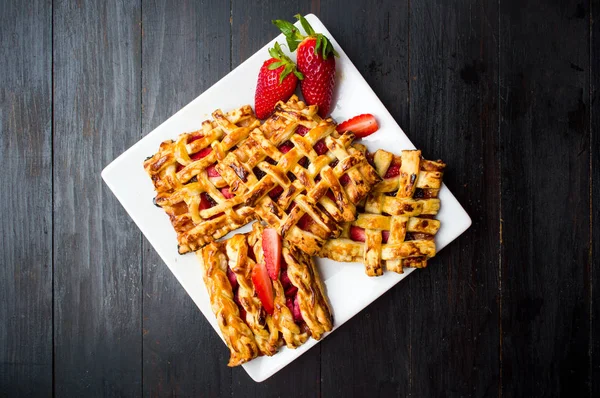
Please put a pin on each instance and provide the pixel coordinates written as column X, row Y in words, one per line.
column 293, row 36
column 285, row 61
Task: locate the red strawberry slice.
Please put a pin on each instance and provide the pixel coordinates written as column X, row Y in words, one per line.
column 201, row 154
column 194, row 138
column 285, row 279
column 236, row 298
column 206, row 201
column 227, row 193
column 291, row 291
column 385, row 235
column 212, row 171
column 196, row 156
column 302, row 130
column 305, row 222
column 275, row 192
column 321, row 147
column 271, row 244
column 289, row 302
column 357, row 234
column 286, row 147
column 393, row 171
column 344, row 180
column 232, row 279
column 361, row 125
column 263, row 286
column 297, row 314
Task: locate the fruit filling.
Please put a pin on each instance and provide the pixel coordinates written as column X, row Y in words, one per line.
column 275, row 269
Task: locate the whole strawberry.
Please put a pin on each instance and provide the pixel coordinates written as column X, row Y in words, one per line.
column 316, row 61
column 277, row 81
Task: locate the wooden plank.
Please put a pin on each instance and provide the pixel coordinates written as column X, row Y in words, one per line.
column 545, row 166
column 595, row 196
column 370, row 355
column 186, row 49
column 26, row 199
column 454, row 117
column 97, row 247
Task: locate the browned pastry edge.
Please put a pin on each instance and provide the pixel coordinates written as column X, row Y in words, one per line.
column 404, row 207
column 256, row 332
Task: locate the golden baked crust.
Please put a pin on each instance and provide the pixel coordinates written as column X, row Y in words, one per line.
column 238, row 336
column 265, row 331
column 182, row 182
column 248, row 330
column 403, row 208
column 326, row 190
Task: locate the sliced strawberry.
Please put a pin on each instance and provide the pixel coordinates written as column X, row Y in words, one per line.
column 285, row 279
column 286, row 147
column 201, row 154
column 297, row 314
column 329, row 194
column 206, row 201
column 227, row 193
column 305, row 222
column 275, row 192
column 385, row 235
column 361, row 125
column 236, row 298
column 194, row 138
column 212, row 171
column 289, row 302
column 271, row 244
column 232, row 279
column 393, row 171
column 302, row 130
column 357, row 234
column 263, row 286
column 321, row 147
column 344, row 180
column 291, row 291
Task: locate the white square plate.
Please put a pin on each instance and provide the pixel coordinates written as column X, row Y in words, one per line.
column 127, row 179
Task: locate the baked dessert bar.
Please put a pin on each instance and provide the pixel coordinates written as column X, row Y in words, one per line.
column 299, row 175
column 251, row 328
column 197, row 200
column 397, row 227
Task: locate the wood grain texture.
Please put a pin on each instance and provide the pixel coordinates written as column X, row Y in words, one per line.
column 594, row 253
column 454, row 116
column 97, row 284
column 251, row 29
column 370, row 355
column 186, row 49
column 26, row 198
column 545, row 165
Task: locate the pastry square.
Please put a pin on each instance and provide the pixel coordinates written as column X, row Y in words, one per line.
column 299, row 175
column 300, row 310
column 397, row 227
column 196, row 199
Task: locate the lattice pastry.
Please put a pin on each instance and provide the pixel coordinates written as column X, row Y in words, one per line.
column 197, row 200
column 300, row 175
column 397, row 227
column 300, row 307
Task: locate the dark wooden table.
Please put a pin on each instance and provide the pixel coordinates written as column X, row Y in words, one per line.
column 502, row 90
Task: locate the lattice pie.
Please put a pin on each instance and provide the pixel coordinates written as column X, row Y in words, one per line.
column 300, row 307
column 397, row 227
